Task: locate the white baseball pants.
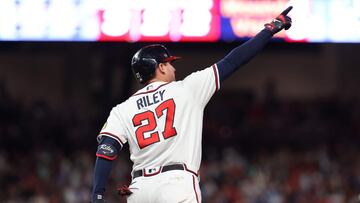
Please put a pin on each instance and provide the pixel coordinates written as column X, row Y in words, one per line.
column 174, row 186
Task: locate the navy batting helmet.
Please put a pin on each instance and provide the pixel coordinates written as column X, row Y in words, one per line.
column 146, row 60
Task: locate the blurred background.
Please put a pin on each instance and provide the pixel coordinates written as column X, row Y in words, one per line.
column 284, row 129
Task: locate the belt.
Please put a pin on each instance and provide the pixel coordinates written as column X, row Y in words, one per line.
column 162, row 169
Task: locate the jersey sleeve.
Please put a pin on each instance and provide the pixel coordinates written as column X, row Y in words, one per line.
column 203, row 84
column 114, row 128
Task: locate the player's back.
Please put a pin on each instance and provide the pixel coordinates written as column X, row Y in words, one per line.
column 162, row 122
column 163, row 126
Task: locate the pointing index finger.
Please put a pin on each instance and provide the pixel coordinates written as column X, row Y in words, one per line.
column 286, row 11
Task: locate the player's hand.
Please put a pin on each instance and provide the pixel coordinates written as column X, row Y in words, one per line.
column 282, row 21
column 124, row 191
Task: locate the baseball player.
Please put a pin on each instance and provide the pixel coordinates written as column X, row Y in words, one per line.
column 162, row 122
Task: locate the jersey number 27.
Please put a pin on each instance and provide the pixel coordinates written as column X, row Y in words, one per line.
column 151, row 124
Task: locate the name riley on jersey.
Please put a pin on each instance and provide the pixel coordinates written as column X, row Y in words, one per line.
column 149, row 100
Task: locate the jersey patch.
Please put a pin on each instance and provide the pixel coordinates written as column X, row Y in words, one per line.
column 107, row 151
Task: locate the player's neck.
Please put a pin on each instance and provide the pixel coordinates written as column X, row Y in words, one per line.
column 156, row 79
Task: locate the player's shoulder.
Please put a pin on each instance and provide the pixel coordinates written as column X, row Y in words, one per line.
column 119, row 106
column 202, row 73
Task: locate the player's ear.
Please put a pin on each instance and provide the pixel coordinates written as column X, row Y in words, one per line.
column 161, row 67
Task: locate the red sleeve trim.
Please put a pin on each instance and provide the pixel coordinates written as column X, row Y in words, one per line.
column 112, row 136
column 106, row 157
column 216, row 77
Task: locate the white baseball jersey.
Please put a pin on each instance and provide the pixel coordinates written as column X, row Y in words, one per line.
column 162, row 122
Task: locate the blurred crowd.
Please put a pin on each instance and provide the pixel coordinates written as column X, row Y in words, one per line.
column 320, row 175
column 269, row 151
